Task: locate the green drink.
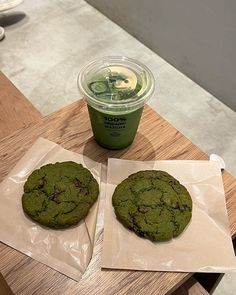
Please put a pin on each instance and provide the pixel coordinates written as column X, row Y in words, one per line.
column 115, row 89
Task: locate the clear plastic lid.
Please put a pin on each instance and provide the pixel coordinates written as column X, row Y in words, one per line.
column 116, row 82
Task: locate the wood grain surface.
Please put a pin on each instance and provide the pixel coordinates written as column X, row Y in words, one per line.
column 4, row 288
column 15, row 110
column 70, row 127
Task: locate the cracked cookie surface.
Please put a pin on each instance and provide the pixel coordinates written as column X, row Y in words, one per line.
column 59, row 195
column 153, row 204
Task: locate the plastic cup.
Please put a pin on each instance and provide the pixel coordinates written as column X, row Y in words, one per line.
column 115, row 89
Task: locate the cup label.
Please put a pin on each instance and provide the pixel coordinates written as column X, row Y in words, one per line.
column 114, row 122
column 114, row 131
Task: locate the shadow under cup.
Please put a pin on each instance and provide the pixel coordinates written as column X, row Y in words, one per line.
column 115, row 89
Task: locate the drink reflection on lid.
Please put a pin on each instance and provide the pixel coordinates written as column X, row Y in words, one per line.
column 115, row 83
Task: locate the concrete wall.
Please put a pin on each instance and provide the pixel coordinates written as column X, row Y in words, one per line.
column 196, row 36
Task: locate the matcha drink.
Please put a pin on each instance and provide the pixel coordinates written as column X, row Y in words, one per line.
column 115, row 89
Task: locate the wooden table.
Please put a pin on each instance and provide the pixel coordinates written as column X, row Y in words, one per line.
column 16, row 110
column 70, row 127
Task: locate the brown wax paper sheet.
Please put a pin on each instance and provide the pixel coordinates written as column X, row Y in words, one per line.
column 67, row 251
column 204, row 246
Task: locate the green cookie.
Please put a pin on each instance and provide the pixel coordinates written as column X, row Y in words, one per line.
column 59, row 195
column 153, row 204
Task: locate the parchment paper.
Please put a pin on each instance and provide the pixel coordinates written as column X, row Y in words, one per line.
column 67, row 251
column 204, row 246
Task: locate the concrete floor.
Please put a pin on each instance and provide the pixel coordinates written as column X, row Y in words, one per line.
column 44, row 51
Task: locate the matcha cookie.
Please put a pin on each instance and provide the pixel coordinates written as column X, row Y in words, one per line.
column 59, row 195
column 153, row 204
